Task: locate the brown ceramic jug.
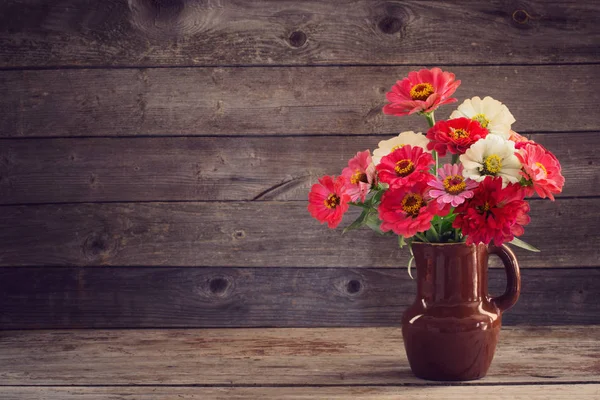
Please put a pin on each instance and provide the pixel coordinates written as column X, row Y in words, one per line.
column 451, row 330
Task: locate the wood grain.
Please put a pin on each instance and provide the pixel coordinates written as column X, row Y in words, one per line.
column 209, row 168
column 185, row 32
column 274, row 101
column 326, row 356
column 133, row 297
column 251, row 234
column 495, row 392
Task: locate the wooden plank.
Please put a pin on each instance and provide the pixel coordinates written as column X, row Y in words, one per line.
column 291, row 100
column 133, row 297
column 209, row 168
column 495, row 392
column 185, row 32
column 250, row 234
column 326, row 356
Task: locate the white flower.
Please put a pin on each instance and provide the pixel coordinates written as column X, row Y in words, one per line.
column 492, row 156
column 404, row 138
column 490, row 113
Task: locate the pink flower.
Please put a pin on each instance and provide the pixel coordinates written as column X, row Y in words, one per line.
column 451, row 187
column 423, row 91
column 407, row 210
column 359, row 175
column 328, row 200
column 541, row 170
column 493, row 214
column 405, row 166
column 455, row 135
column 519, row 140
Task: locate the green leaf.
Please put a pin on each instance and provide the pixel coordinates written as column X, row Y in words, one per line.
column 519, row 243
column 401, row 241
column 373, row 222
column 359, row 204
column 360, row 221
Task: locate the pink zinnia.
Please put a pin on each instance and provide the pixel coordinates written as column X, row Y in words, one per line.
column 451, row 187
column 541, row 170
column 328, row 200
column 408, row 210
column 455, row 135
column 422, row 91
column 359, row 175
column 405, row 166
column 519, row 140
column 493, row 214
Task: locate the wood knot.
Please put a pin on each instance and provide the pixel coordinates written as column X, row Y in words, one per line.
column 238, row 234
column 521, row 16
column 99, row 245
column 389, row 25
column 218, row 286
column 354, row 286
column 297, row 39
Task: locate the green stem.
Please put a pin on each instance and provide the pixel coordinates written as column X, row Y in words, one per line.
column 436, row 236
column 430, row 119
column 423, row 238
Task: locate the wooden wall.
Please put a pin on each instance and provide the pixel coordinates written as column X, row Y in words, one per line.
column 155, row 156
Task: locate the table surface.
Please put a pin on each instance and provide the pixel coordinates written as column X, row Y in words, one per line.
column 304, row 363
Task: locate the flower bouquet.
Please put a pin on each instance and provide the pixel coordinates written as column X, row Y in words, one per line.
column 476, row 195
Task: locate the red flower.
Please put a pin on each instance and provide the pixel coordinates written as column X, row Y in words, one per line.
column 423, row 91
column 328, row 200
column 455, row 135
column 541, row 170
column 493, row 214
column 359, row 175
column 405, row 166
column 407, row 210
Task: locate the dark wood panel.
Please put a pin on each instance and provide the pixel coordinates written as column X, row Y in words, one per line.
column 208, row 168
column 187, row 32
column 295, row 100
column 251, row 234
column 133, row 297
column 299, row 357
column 500, row 392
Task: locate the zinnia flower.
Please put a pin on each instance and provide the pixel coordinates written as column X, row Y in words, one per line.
column 491, row 114
column 359, row 175
column 541, row 170
column 454, row 135
column 450, row 187
column 328, row 200
column 404, row 166
column 423, row 91
column 493, row 214
column 492, row 156
column 407, row 210
column 385, row 147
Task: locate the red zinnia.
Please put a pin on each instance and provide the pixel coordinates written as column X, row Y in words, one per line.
column 423, row 91
column 405, row 166
column 493, row 214
column 541, row 169
column 408, row 209
column 455, row 135
column 328, row 200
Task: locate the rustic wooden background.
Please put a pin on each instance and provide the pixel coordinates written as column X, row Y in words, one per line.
column 155, row 156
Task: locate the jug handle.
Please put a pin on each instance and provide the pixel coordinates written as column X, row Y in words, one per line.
column 513, row 278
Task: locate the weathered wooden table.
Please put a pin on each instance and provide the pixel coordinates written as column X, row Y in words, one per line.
column 322, row 363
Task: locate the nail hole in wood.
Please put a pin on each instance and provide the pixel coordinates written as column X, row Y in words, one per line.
column 218, row 286
column 239, row 234
column 297, row 39
column 389, row 25
column 354, row 286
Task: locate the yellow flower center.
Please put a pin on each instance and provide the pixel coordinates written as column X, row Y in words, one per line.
column 459, row 133
column 412, row 203
column 404, row 167
column 399, row 146
column 541, row 166
column 421, row 91
column 454, row 184
column 484, row 208
column 492, row 164
column 332, row 201
column 357, row 177
column 483, row 121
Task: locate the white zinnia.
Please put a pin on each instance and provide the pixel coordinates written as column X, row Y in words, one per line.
column 385, row 147
column 492, row 156
column 490, row 113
